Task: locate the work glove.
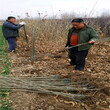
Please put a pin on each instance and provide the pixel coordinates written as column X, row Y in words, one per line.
column 22, row 23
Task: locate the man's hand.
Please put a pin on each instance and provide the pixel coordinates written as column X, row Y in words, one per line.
column 91, row 42
column 22, row 23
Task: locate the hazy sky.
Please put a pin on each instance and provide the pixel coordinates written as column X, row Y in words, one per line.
column 52, row 7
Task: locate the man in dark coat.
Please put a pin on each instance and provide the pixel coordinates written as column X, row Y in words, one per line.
column 10, row 32
column 80, row 33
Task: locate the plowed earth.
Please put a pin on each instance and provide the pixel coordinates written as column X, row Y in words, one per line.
column 97, row 73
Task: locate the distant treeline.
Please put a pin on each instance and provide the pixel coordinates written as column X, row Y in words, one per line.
column 102, row 22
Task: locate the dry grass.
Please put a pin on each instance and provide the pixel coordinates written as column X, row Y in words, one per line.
column 51, row 34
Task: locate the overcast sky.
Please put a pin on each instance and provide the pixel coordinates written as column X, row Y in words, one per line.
column 52, row 7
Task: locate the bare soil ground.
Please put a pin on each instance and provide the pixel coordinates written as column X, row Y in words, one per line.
column 97, row 73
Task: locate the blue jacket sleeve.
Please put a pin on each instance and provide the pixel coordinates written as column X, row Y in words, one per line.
column 12, row 26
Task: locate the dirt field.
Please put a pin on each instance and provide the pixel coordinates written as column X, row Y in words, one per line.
column 97, row 73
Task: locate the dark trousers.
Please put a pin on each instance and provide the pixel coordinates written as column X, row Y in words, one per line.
column 78, row 58
column 12, row 44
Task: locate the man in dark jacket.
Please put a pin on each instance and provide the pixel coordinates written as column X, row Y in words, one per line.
column 78, row 34
column 10, row 32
